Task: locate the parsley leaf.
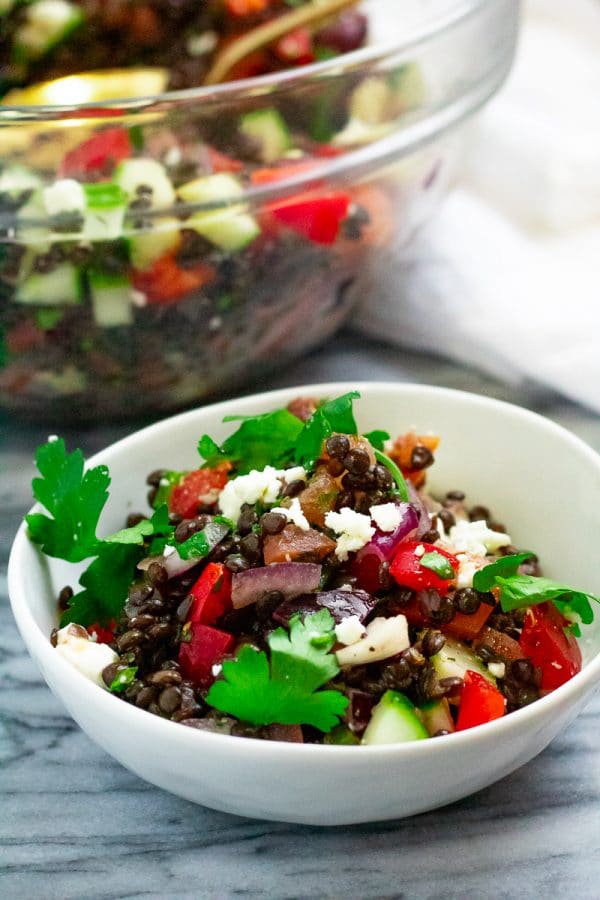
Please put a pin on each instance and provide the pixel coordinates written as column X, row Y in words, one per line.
column 286, row 689
column 73, row 498
column 401, row 487
column 377, row 438
column 158, row 524
column 333, row 416
column 485, row 579
column 527, row 590
column 268, row 439
column 105, row 584
column 123, row 679
column 438, row 564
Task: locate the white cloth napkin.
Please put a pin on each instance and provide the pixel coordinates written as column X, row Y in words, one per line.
column 507, row 277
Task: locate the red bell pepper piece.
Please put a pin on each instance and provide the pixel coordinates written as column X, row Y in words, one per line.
column 316, row 215
column 212, row 594
column 98, row 154
column 480, row 702
column 200, row 487
column 466, row 628
column 206, row 648
column 165, row 283
column 220, row 162
column 242, row 8
column 462, row 627
column 407, row 570
column 544, row 640
column 104, row 634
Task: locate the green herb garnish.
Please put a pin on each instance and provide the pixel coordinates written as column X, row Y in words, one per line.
column 75, row 499
column 332, row 417
column 200, row 544
column 517, row 591
column 263, row 440
column 284, row 688
column 123, row 679
column 437, row 563
column 377, row 438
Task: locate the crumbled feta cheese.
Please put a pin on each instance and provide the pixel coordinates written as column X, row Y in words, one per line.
column 172, row 157
column 264, row 486
column 354, row 530
column 477, row 538
column 386, row 516
column 89, row 657
column 350, row 630
column 296, row 473
column 294, row 514
column 52, row 438
column 384, row 638
column 420, row 550
column 468, row 564
column 64, row 196
column 199, row 44
column 497, row 669
column 169, row 550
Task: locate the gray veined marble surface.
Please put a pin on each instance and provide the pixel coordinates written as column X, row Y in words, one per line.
column 75, row 824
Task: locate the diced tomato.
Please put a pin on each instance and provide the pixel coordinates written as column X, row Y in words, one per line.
column 200, row 487
column 406, row 568
column 294, row 544
column 295, row 47
column 206, row 648
column 105, row 634
column 212, row 594
column 480, row 702
column 165, row 282
column 99, row 153
column 466, row 628
column 257, row 63
column 280, row 173
column 544, row 640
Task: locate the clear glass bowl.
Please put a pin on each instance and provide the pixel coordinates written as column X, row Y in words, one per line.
column 156, row 251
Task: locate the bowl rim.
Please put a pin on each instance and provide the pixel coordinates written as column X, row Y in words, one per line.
column 433, row 27
column 39, row 646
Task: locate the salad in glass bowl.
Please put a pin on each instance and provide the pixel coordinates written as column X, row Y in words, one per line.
column 168, row 244
column 303, row 585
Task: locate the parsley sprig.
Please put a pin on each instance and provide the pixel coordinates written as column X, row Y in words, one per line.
column 74, row 499
column 284, row 686
column 280, row 438
column 516, row 590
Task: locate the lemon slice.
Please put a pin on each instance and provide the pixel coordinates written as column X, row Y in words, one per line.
column 91, row 87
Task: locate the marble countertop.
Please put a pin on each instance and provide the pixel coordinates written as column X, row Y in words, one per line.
column 75, row 824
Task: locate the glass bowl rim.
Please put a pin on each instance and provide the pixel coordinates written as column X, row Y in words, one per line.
column 430, row 29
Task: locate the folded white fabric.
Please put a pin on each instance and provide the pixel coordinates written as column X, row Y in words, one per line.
column 507, row 277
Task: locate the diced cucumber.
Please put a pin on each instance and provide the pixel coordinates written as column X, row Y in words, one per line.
column 64, row 196
column 408, row 84
column 106, row 204
column 394, row 721
column 133, row 174
column 15, row 179
column 111, row 299
column 36, row 236
column 145, row 247
column 268, row 129
column 228, row 227
column 455, row 658
column 435, row 716
column 47, row 23
column 61, row 287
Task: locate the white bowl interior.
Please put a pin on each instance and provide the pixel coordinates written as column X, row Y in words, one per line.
column 538, row 479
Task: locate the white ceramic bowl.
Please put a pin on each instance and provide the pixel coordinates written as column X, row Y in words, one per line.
column 543, row 482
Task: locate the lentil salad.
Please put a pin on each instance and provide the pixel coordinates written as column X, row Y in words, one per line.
column 304, row 586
